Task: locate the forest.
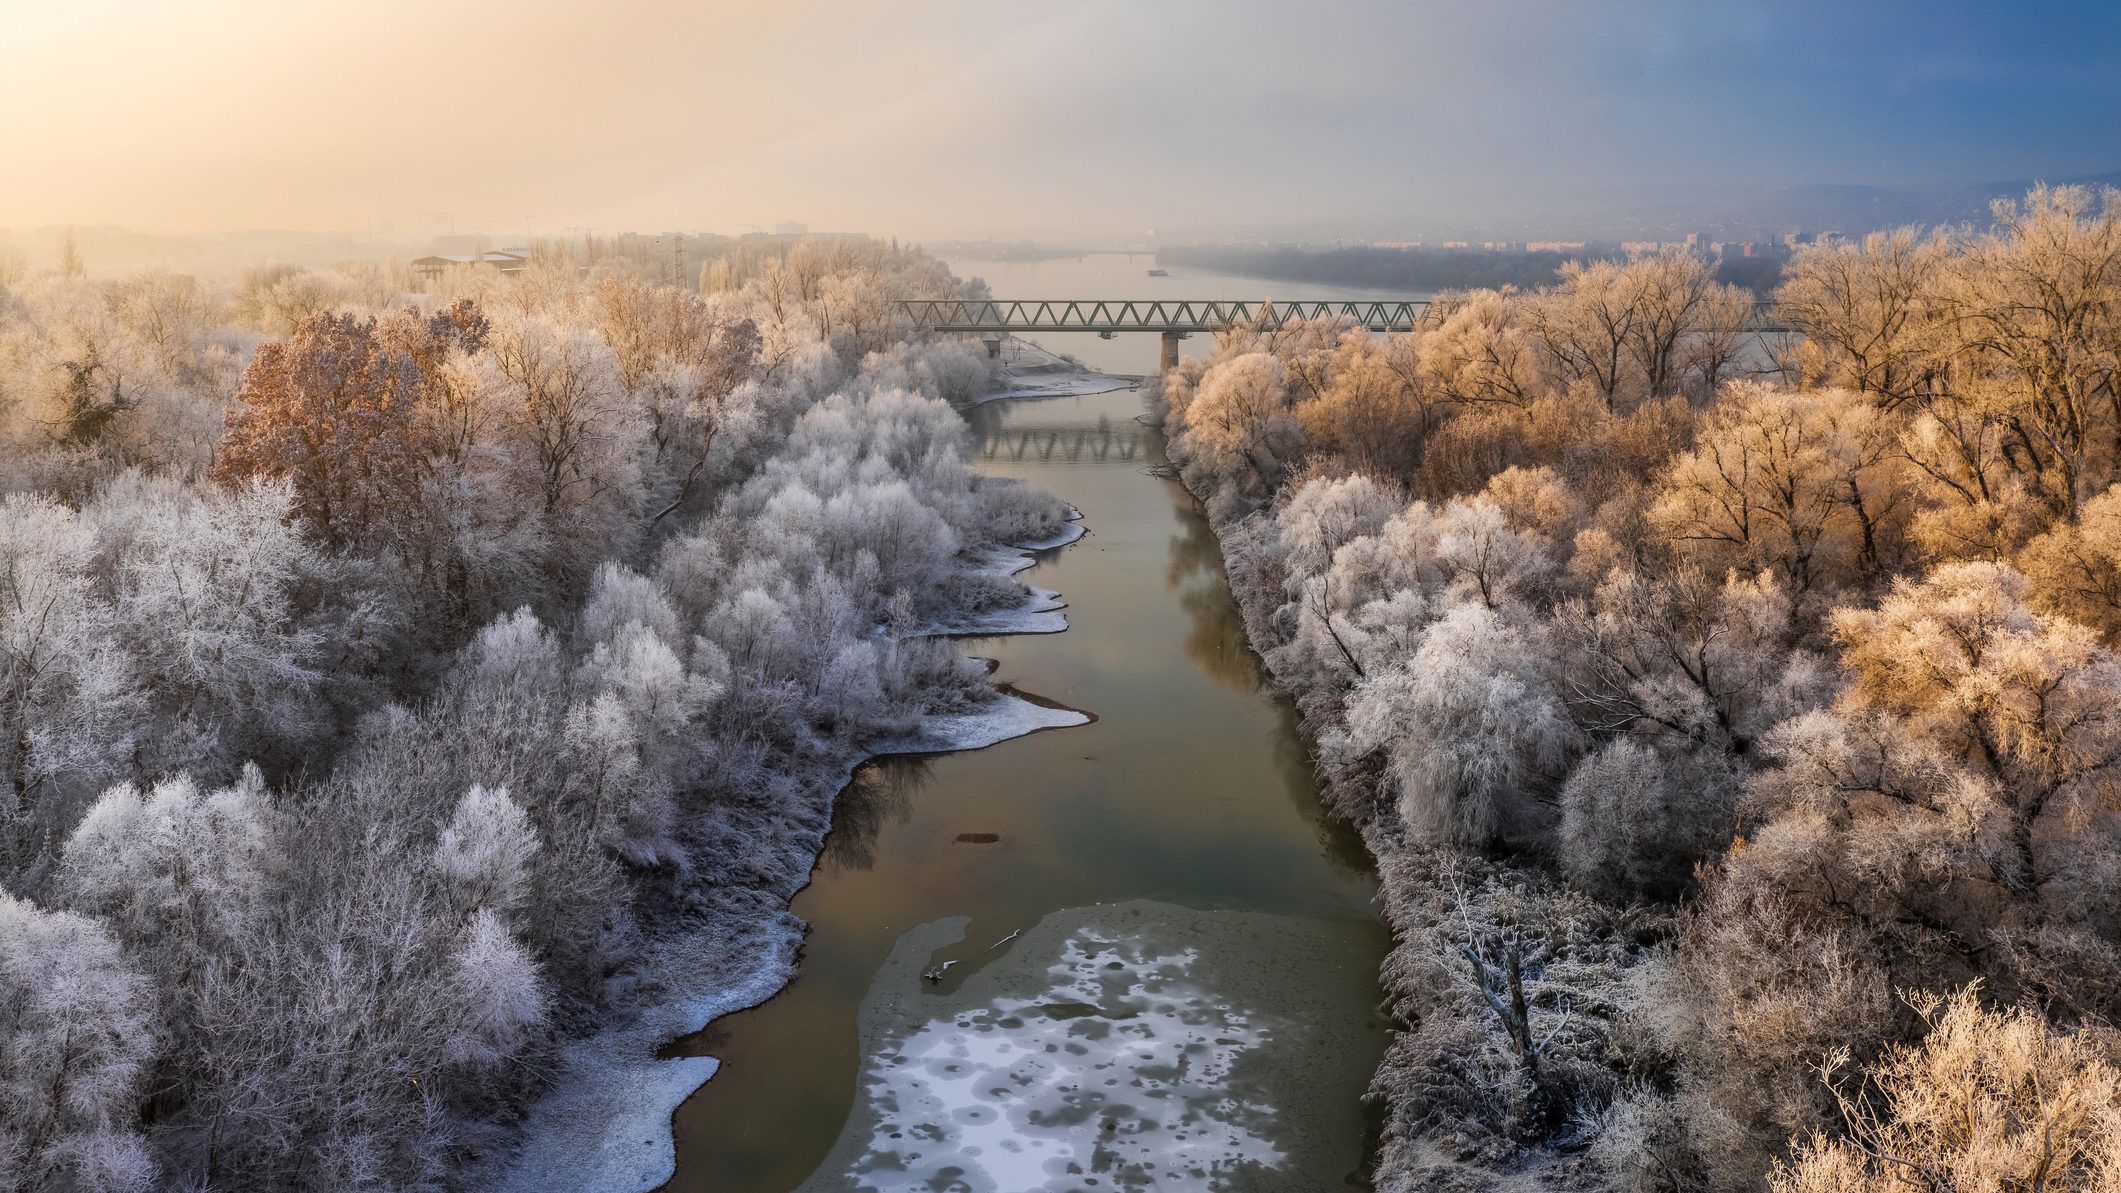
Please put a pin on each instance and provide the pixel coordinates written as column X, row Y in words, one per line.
column 382, row 673
column 1736, row 719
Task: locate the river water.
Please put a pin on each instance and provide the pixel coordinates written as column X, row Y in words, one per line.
column 1163, row 954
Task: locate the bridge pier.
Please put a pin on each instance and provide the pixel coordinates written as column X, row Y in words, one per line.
column 1169, row 359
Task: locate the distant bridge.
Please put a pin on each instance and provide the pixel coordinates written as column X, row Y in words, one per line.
column 1167, row 315
column 1176, row 318
column 1173, row 318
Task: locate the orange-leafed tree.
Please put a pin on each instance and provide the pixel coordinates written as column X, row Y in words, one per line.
column 339, row 409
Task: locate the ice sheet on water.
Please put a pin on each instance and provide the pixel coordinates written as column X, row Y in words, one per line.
column 1118, row 1047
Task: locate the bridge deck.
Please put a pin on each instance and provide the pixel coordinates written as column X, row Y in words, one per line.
column 1112, row 316
column 1160, row 314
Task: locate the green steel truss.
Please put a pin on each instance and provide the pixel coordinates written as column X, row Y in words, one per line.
column 1111, row 316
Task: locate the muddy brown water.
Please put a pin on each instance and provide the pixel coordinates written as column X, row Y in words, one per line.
column 1190, row 999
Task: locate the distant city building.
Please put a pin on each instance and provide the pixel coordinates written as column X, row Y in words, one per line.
column 506, row 261
column 791, row 228
column 1556, row 246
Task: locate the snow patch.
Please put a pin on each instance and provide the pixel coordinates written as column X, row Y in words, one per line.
column 1001, row 719
column 605, row 1125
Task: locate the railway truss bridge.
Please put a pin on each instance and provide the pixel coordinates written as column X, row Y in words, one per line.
column 1176, row 318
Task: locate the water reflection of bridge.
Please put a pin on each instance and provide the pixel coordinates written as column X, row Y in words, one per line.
column 1068, row 443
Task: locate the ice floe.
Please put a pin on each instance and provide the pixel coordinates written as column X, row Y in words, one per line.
column 1112, row 1047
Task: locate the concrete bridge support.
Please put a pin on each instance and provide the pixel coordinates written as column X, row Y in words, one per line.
column 1169, row 359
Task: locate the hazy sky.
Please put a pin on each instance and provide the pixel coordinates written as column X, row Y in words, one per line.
column 1006, row 117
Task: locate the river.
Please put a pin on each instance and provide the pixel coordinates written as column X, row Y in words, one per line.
column 1163, row 955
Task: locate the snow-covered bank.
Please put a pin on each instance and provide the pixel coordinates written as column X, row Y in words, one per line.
column 606, row 1125
column 1040, row 614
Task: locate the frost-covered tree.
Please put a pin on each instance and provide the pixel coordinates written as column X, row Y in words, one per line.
column 176, row 868
column 1867, row 310
column 1325, row 515
column 204, row 599
column 500, row 1005
column 1624, row 827
column 1990, row 1099
column 1371, row 405
column 1483, row 353
column 183, row 877
column 2074, row 569
column 337, row 410
column 681, row 357
column 78, row 1032
column 68, row 689
column 1242, row 417
column 1470, row 727
column 1805, row 483
column 562, row 411
column 486, row 852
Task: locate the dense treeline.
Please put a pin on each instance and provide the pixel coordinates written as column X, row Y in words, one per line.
column 379, row 673
column 1423, row 270
column 1734, row 723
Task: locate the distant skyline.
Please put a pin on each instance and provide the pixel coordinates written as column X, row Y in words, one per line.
column 959, row 120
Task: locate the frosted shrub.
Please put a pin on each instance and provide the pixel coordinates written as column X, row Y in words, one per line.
column 1012, row 512
column 1628, row 825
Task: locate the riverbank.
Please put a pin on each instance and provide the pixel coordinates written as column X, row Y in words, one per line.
column 605, row 1124
column 1452, row 1089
